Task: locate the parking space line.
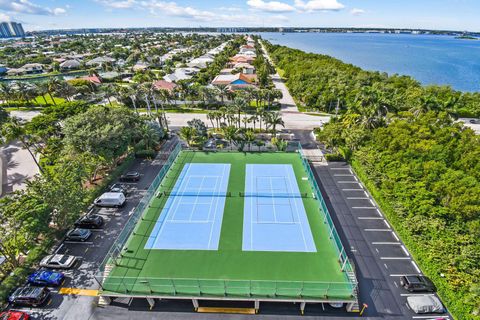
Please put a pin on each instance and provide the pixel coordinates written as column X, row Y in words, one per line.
column 386, row 223
column 395, row 236
column 357, row 198
column 394, row 258
column 343, row 175
column 78, row 242
column 386, row 243
column 348, row 182
column 416, row 294
column 405, row 250
column 373, row 203
column 415, row 266
column 377, row 230
column 369, row 208
column 370, row 218
column 401, row 275
column 385, row 265
column 435, row 317
column 353, row 190
column 340, row 169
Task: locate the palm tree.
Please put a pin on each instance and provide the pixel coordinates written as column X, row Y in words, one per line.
column 222, row 91
column 239, row 105
column 249, row 137
column 53, row 85
column 109, row 91
column 211, row 115
column 230, row 134
column 5, row 91
column 149, row 136
column 254, row 119
column 13, row 130
column 273, row 120
column 42, row 89
column 188, row 134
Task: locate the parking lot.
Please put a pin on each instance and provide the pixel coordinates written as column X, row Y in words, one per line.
column 378, row 253
column 80, row 280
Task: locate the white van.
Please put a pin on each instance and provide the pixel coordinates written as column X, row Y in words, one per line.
column 110, row 199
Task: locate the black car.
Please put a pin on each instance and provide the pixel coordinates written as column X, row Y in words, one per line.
column 78, row 234
column 117, row 187
column 92, row 221
column 414, row 283
column 132, row 176
column 29, row 296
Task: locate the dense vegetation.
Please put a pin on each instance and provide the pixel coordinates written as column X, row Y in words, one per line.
column 421, row 166
column 82, row 148
column 323, row 83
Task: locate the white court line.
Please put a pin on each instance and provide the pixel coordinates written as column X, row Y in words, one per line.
column 369, row 208
column 214, row 199
column 394, row 258
column 357, row 198
column 377, row 230
column 296, row 207
column 370, row 218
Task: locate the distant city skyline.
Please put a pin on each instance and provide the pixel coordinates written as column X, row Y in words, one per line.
column 62, row 14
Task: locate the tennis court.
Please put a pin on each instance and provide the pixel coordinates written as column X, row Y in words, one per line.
column 192, row 216
column 274, row 215
column 190, row 238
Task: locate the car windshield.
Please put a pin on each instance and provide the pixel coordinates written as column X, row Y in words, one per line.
column 64, row 259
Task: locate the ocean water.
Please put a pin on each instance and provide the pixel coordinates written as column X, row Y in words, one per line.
column 430, row 59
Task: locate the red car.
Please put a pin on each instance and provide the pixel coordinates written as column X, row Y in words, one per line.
column 14, row 315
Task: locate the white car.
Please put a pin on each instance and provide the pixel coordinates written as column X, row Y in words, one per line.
column 58, row 261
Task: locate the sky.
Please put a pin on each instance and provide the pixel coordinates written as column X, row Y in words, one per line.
column 63, row 14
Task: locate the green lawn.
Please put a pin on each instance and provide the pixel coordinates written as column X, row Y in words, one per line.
column 40, row 100
column 272, row 274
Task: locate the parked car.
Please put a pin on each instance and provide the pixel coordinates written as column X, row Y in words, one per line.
column 29, row 296
column 14, row 315
column 78, row 234
column 46, row 278
column 414, row 283
column 117, row 187
column 111, row 199
column 132, row 176
column 91, row 221
column 425, row 304
column 58, row 261
column 473, row 121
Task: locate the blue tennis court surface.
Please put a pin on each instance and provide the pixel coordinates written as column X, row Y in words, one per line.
column 274, row 215
column 192, row 216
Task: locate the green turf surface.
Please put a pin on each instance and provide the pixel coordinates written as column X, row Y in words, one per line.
column 278, row 274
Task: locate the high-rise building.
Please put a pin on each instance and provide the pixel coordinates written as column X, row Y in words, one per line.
column 17, row 29
column 5, row 30
column 11, row 29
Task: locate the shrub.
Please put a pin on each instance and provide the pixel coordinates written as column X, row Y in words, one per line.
column 334, row 157
column 145, row 154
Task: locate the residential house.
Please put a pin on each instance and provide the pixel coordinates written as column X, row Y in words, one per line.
column 180, row 74
column 140, row 66
column 245, row 68
column 94, row 79
column 99, row 61
column 233, row 81
column 33, row 68
column 164, row 85
column 70, row 65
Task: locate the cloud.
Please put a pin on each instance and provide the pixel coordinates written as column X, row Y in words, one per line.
column 4, row 17
column 271, row 6
column 115, row 4
column 319, row 5
column 357, row 12
column 173, row 9
column 27, row 7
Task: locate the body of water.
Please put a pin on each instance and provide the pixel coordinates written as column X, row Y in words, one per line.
column 441, row 60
